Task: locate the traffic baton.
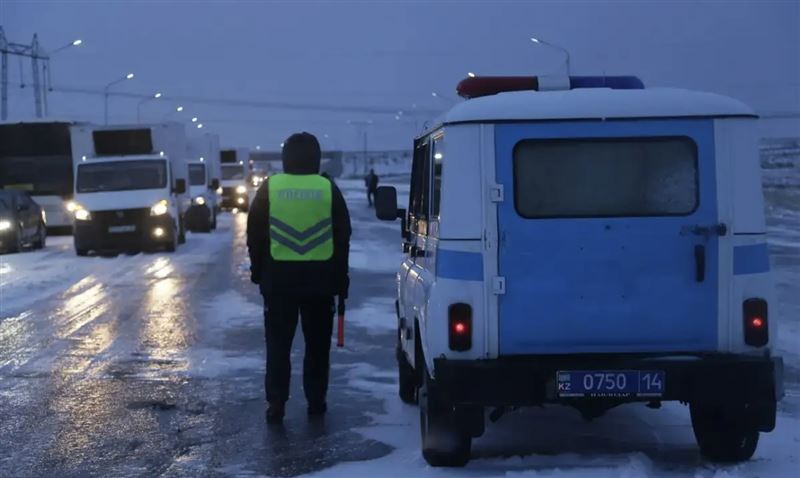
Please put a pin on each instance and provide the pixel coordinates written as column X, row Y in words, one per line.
column 340, row 328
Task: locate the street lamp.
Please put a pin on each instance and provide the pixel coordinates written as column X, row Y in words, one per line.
column 194, row 119
column 139, row 105
column 47, row 71
column 539, row 41
column 199, row 125
column 471, row 74
column 129, row 76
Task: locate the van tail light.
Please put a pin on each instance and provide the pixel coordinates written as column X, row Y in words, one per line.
column 460, row 326
column 756, row 322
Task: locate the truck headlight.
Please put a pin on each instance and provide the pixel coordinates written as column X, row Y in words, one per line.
column 199, row 200
column 82, row 214
column 5, row 225
column 44, row 217
column 71, row 206
column 219, row 191
column 241, row 189
column 160, row 208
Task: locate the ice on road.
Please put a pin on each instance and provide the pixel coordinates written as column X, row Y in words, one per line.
column 152, row 365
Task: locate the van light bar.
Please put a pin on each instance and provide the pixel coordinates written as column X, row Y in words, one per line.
column 477, row 86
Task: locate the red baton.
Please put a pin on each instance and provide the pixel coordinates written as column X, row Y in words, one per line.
column 340, row 328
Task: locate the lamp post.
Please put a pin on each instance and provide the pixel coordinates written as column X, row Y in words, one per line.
column 129, row 76
column 539, row 41
column 141, row 103
column 47, row 71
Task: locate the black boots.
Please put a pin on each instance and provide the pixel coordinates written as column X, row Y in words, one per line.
column 275, row 414
column 316, row 409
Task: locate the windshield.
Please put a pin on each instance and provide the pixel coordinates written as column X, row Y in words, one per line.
column 40, row 175
column 122, row 176
column 197, row 174
column 233, row 172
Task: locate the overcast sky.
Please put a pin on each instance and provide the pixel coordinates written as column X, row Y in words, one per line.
column 386, row 55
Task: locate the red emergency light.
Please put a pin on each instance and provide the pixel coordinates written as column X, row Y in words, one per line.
column 477, row 86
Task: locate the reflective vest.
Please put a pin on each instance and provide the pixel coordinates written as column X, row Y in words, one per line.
column 300, row 217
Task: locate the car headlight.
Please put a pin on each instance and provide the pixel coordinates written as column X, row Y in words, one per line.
column 241, row 189
column 160, row 208
column 82, row 214
column 5, row 225
column 71, row 206
column 44, row 217
column 219, row 191
column 199, row 200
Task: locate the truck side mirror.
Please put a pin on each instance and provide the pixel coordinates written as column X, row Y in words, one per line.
column 214, row 184
column 180, row 186
column 386, row 203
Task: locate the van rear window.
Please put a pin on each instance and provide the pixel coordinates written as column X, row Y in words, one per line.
column 608, row 177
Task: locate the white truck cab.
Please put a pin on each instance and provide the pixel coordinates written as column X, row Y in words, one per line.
column 204, row 180
column 588, row 242
column 236, row 188
column 130, row 187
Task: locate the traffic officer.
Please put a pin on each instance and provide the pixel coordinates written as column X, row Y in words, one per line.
column 298, row 237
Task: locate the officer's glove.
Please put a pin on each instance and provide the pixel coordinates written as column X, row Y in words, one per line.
column 344, row 286
column 255, row 276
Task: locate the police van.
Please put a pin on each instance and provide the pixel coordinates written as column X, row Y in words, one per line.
column 587, row 242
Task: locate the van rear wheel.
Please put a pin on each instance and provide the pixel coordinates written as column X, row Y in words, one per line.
column 720, row 434
column 444, row 442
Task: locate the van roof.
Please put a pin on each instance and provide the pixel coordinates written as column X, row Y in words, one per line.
column 131, row 157
column 594, row 104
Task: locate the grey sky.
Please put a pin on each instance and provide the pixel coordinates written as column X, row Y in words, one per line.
column 389, row 55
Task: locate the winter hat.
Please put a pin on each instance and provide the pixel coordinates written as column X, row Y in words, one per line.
column 301, row 154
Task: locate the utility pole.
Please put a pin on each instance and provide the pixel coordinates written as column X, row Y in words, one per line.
column 362, row 127
column 32, row 51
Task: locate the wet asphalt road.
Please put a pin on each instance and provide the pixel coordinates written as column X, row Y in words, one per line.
column 123, row 368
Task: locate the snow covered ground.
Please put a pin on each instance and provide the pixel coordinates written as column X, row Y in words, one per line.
column 152, row 365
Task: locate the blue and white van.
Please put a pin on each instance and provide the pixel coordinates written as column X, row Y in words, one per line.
column 588, row 242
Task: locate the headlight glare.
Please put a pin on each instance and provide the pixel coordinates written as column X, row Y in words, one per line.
column 5, row 225
column 199, row 200
column 160, row 208
column 241, row 189
column 82, row 214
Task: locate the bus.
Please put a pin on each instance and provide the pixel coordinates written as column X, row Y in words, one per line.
column 37, row 157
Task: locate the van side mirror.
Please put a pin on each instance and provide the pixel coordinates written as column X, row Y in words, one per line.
column 214, row 184
column 386, row 203
column 180, row 186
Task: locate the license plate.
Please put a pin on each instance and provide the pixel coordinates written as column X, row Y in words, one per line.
column 610, row 383
column 120, row 229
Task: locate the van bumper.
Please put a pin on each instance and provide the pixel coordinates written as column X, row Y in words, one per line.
column 96, row 235
column 521, row 381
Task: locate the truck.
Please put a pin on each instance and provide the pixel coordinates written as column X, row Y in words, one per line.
column 586, row 242
column 235, row 163
column 36, row 157
column 204, row 180
column 130, row 187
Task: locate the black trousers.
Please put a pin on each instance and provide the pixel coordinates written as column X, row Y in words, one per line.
column 280, row 322
column 371, row 195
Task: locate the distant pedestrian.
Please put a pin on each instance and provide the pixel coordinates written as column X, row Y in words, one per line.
column 371, row 182
column 298, row 237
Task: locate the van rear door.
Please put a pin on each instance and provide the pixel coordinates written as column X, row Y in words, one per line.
column 608, row 237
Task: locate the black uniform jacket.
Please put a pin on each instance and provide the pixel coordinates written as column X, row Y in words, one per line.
column 325, row 278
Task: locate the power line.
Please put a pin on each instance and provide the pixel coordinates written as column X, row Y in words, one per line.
column 248, row 103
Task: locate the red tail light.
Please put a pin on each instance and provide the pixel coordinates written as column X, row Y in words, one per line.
column 460, row 326
column 756, row 322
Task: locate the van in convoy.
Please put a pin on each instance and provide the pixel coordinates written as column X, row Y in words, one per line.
column 130, row 187
column 235, row 175
column 36, row 157
column 586, row 242
column 204, row 180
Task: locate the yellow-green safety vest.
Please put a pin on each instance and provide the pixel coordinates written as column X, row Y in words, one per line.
column 300, row 217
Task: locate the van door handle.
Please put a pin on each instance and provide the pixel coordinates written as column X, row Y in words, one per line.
column 700, row 262
column 720, row 229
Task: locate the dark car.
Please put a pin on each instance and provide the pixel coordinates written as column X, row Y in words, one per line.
column 22, row 222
